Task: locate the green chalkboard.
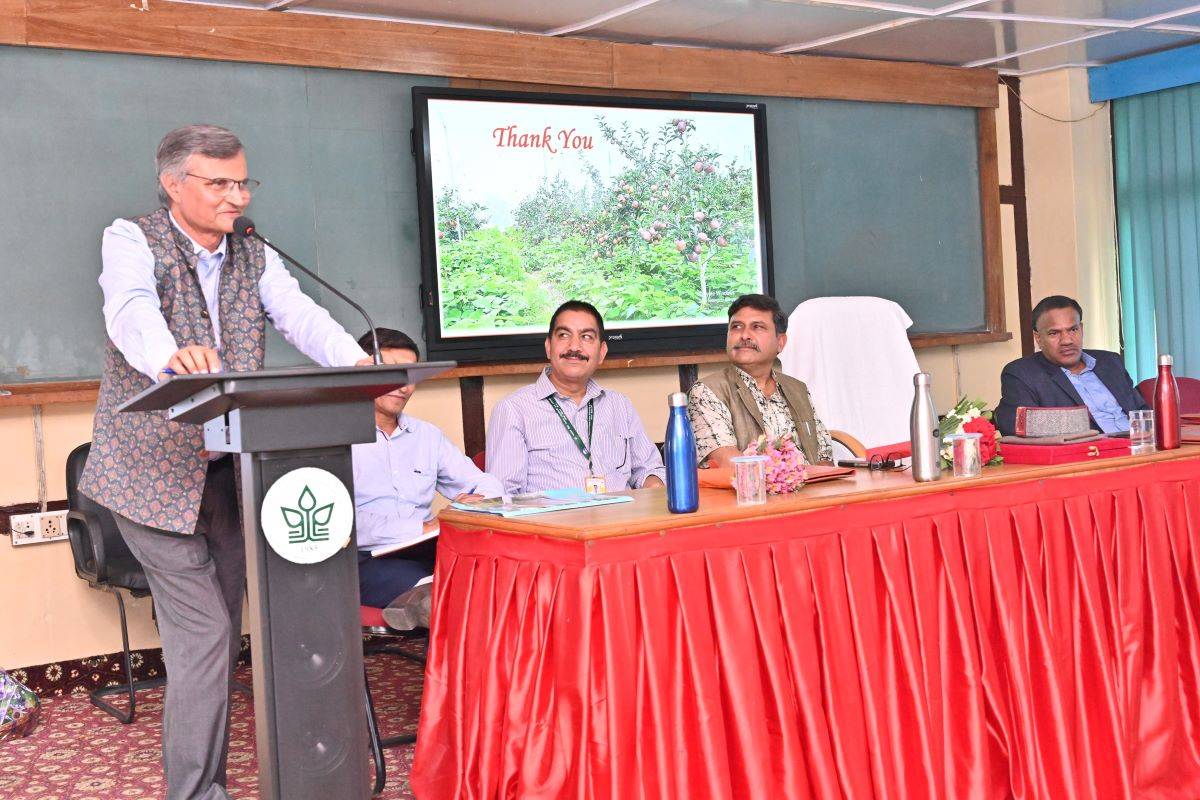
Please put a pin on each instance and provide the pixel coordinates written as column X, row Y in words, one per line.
column 78, row 133
column 879, row 199
column 866, row 197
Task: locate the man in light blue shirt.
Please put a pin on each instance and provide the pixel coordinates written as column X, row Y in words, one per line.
column 1105, row 409
column 1063, row 374
column 395, row 478
column 565, row 430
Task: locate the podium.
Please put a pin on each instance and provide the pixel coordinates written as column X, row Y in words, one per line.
column 293, row 429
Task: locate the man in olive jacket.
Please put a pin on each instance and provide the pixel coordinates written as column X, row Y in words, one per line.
column 730, row 409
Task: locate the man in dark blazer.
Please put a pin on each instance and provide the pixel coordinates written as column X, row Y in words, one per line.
column 1064, row 374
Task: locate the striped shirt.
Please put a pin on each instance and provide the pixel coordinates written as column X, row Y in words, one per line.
column 530, row 450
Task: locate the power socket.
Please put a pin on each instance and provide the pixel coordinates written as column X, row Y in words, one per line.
column 25, row 528
column 50, row 526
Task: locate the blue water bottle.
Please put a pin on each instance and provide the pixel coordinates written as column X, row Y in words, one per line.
column 683, row 491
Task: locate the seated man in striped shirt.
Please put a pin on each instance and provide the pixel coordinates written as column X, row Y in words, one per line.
column 564, row 430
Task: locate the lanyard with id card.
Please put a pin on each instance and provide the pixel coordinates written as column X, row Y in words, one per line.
column 594, row 482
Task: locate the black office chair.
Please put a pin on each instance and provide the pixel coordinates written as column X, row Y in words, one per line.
column 104, row 561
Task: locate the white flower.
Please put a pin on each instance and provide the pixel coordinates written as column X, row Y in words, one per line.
column 972, row 413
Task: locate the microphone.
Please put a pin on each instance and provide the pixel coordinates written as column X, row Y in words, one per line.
column 244, row 226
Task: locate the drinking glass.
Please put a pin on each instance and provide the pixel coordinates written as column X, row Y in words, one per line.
column 750, row 479
column 1141, row 432
column 965, row 454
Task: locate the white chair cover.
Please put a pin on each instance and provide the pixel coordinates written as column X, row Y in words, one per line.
column 854, row 354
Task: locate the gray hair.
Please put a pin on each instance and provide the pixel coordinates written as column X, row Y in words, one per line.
column 182, row 143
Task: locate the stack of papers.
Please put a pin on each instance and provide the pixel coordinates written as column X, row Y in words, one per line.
column 520, row 505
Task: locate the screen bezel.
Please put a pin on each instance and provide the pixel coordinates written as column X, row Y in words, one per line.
column 526, row 346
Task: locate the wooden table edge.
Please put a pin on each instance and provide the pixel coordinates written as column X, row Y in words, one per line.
column 587, row 524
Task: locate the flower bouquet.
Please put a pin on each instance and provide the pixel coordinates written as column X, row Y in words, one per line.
column 785, row 463
column 971, row 416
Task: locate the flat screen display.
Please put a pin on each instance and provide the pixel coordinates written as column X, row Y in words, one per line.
column 654, row 211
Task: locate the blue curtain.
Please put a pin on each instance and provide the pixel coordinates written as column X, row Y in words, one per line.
column 1156, row 156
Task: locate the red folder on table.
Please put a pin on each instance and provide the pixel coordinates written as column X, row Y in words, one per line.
column 1064, row 453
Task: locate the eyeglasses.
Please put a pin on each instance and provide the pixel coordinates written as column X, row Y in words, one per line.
column 225, row 185
column 892, row 462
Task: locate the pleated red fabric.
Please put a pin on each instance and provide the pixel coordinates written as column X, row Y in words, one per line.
column 1033, row 640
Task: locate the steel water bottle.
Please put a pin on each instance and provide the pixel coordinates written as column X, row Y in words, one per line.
column 924, row 431
column 1167, row 431
column 683, row 489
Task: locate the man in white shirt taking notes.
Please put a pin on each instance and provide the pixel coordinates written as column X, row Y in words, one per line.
column 395, row 478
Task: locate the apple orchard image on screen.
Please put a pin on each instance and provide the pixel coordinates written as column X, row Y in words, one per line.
column 650, row 214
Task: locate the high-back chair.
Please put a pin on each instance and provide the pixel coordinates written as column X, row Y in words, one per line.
column 104, row 561
column 855, row 357
column 1189, row 393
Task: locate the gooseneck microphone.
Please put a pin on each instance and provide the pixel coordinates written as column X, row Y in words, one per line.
column 244, row 226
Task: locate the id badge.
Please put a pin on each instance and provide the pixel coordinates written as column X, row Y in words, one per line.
column 594, row 484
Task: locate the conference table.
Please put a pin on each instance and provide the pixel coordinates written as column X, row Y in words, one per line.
column 1030, row 633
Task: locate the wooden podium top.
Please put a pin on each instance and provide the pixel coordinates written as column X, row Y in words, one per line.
column 648, row 511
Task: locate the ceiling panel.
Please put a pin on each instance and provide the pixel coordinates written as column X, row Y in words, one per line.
column 1086, row 9
column 770, row 24
column 526, row 15
column 752, row 24
column 925, row 5
column 953, row 41
column 1102, row 49
column 1190, row 19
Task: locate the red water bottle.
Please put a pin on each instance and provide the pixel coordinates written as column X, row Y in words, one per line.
column 1167, row 433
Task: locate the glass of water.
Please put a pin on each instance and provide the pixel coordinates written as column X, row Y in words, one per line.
column 1141, row 432
column 750, row 479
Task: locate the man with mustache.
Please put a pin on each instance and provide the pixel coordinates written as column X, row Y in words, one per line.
column 395, row 478
column 730, row 409
column 1064, row 374
column 565, row 430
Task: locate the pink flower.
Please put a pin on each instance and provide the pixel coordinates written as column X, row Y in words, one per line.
column 785, row 466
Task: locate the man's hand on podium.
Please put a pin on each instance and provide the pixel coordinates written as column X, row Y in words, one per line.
column 364, row 362
column 191, row 360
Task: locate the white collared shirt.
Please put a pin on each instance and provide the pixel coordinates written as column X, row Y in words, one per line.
column 133, row 311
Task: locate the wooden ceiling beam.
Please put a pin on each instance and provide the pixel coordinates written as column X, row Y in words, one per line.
column 236, row 34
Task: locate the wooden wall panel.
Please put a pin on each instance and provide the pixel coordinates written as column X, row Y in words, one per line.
column 12, row 21
column 231, row 34
column 234, row 34
column 739, row 72
column 989, row 208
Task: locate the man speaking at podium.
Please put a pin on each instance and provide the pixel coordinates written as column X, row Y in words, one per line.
column 182, row 295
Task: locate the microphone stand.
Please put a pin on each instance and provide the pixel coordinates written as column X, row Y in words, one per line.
column 375, row 355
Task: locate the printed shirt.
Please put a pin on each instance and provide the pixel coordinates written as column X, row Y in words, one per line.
column 1100, row 401
column 530, row 450
column 713, row 424
column 395, row 478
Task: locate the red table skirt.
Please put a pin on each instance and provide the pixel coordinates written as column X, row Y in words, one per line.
column 1036, row 640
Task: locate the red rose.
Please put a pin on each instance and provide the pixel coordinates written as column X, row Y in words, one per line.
column 987, row 442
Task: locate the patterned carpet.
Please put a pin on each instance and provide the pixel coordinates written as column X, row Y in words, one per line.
column 77, row 752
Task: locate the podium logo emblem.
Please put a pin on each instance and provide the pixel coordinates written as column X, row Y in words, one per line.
column 307, row 515
column 307, row 523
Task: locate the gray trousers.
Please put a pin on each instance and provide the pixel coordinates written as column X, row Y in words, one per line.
column 197, row 583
